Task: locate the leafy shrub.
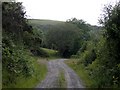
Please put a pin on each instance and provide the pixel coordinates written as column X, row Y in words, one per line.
column 102, row 70
column 16, row 62
column 82, row 49
column 88, row 57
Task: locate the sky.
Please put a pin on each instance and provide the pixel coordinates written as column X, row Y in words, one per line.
column 61, row 10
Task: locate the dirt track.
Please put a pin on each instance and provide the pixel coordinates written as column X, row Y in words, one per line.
column 54, row 69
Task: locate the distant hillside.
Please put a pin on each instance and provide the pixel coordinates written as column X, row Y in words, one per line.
column 45, row 25
column 42, row 24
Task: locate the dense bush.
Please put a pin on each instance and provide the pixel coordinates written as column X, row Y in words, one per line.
column 101, row 58
column 15, row 59
column 32, row 40
column 16, row 62
column 110, row 53
column 88, row 57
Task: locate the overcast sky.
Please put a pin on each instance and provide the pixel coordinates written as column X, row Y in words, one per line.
column 88, row 10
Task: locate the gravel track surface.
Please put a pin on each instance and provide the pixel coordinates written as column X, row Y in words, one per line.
column 54, row 69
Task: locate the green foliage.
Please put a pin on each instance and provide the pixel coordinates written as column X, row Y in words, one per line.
column 88, row 57
column 109, row 54
column 44, row 52
column 103, row 69
column 50, row 52
column 37, row 76
column 32, row 38
column 43, row 25
column 87, row 53
column 64, row 38
column 13, row 12
column 15, row 63
column 81, row 24
column 98, row 57
column 82, row 49
column 101, row 57
column 16, row 60
column 41, row 52
column 52, row 29
column 74, row 56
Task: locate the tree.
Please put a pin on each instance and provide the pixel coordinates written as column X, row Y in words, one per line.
column 15, row 60
column 107, row 64
column 111, row 24
column 65, row 38
column 81, row 24
column 13, row 19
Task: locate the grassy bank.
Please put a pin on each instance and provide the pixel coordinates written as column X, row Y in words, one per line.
column 51, row 53
column 38, row 75
column 81, row 71
column 48, row 53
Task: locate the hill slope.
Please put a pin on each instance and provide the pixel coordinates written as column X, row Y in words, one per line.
column 44, row 22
